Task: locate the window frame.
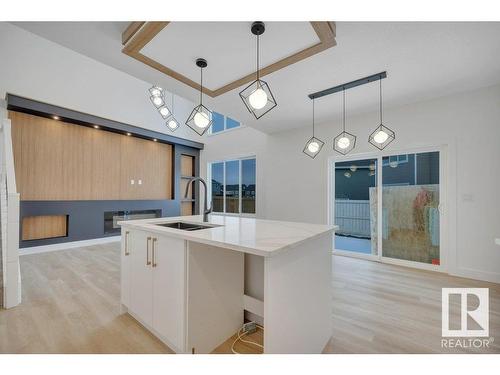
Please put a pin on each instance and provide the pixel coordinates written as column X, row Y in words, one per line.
column 240, row 205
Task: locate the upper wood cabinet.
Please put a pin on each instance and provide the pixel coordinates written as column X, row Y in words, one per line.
column 59, row 161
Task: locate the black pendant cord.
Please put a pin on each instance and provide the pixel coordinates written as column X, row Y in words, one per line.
column 343, row 110
column 258, row 36
column 201, row 86
column 313, row 118
column 380, row 81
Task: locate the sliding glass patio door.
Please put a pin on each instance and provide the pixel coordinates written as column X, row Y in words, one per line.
column 410, row 207
column 356, row 206
column 388, row 207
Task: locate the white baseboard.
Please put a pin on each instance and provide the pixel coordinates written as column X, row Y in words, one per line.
column 67, row 245
column 469, row 273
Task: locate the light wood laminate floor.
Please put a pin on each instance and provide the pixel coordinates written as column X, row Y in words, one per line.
column 71, row 305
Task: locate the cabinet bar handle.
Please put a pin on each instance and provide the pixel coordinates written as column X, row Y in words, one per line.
column 154, row 251
column 126, row 243
column 148, row 262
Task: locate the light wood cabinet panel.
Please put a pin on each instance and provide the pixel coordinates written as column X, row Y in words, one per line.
column 59, row 161
column 187, row 169
column 187, row 165
column 186, row 208
column 149, row 164
column 37, row 144
column 156, row 173
column 106, row 156
column 41, row 227
column 130, row 157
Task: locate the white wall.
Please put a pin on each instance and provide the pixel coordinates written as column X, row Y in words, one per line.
column 293, row 187
column 36, row 68
column 290, row 185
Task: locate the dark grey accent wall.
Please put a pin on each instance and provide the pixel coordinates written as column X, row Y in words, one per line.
column 86, row 218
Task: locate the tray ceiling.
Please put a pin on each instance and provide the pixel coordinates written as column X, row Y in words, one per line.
column 229, row 48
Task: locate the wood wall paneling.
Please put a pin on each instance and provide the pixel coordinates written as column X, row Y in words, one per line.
column 59, row 161
column 187, row 169
column 41, row 227
column 186, row 208
column 106, row 165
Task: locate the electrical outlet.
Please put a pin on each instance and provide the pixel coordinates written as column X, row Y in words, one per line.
column 249, row 327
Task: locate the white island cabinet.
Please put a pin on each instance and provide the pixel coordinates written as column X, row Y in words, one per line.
column 187, row 286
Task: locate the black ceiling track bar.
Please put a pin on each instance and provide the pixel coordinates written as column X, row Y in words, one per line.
column 348, row 85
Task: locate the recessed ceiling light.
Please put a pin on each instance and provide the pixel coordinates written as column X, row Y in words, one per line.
column 96, row 126
column 129, row 134
column 55, row 117
column 155, row 140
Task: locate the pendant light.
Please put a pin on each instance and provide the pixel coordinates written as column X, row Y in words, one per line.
column 158, row 99
column 344, row 142
column 314, row 145
column 171, row 121
column 200, row 118
column 382, row 136
column 257, row 96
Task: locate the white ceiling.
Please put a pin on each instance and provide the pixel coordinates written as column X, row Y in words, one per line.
column 423, row 61
column 228, row 47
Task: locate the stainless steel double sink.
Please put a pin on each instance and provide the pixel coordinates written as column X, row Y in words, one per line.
column 187, row 226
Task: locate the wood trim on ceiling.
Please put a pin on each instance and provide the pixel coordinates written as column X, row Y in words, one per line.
column 138, row 34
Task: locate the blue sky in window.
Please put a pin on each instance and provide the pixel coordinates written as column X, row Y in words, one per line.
column 230, row 123
column 218, row 122
column 232, row 172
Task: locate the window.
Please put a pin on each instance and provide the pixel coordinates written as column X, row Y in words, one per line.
column 232, row 185
column 395, row 160
column 222, row 123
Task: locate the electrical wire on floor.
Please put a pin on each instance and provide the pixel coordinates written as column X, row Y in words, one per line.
column 240, row 338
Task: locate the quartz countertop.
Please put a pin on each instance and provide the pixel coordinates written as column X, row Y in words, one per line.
column 254, row 236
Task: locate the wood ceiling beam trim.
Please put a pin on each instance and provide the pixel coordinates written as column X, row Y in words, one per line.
column 131, row 30
column 134, row 41
column 143, row 36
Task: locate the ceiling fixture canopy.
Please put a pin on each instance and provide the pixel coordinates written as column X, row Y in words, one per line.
column 345, row 141
column 257, row 96
column 313, row 145
column 200, row 118
column 382, row 136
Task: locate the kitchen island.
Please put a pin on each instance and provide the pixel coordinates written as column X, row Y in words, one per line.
column 184, row 280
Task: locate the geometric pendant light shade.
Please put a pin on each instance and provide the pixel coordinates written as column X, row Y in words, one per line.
column 158, row 99
column 313, row 145
column 345, row 141
column 171, row 121
column 257, row 96
column 382, row 135
column 200, row 118
column 157, row 96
